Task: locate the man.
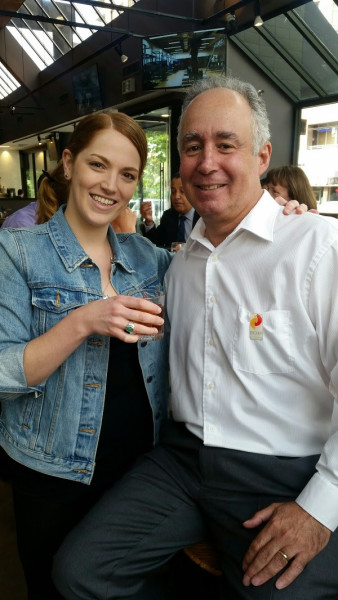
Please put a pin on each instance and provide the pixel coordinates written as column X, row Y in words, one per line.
column 252, row 452
column 176, row 223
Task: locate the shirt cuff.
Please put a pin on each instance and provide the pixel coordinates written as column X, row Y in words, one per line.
column 320, row 499
column 148, row 227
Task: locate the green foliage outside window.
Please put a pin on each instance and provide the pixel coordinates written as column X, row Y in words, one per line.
column 150, row 187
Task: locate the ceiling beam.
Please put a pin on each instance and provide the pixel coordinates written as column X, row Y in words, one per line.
column 66, row 23
column 97, row 3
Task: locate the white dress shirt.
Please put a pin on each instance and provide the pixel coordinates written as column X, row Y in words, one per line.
column 254, row 344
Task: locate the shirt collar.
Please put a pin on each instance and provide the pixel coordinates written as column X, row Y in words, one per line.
column 259, row 221
column 190, row 214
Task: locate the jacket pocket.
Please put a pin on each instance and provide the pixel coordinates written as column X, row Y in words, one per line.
column 57, row 299
column 51, row 303
column 273, row 353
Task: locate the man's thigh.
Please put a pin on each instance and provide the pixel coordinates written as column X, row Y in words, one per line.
column 236, row 486
column 135, row 528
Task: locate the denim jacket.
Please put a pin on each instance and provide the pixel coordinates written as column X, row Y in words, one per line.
column 54, row 427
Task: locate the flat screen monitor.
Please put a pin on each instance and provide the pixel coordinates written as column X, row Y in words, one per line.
column 178, row 59
column 87, row 91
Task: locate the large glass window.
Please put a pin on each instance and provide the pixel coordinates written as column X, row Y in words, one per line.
column 63, row 25
column 155, row 184
column 318, row 153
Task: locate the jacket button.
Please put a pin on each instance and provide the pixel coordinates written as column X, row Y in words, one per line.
column 143, row 344
column 149, row 379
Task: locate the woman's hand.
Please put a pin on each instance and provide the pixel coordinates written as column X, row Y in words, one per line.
column 291, row 206
column 109, row 317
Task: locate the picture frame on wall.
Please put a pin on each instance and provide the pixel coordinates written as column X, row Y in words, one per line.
column 87, row 91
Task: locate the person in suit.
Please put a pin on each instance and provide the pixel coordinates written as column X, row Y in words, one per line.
column 176, row 223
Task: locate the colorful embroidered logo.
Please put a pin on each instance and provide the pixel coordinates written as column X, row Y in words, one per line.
column 255, row 321
column 256, row 327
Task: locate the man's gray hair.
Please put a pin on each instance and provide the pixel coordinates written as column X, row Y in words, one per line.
column 260, row 119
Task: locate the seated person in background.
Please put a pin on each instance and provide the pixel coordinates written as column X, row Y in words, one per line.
column 23, row 217
column 172, row 227
column 290, row 182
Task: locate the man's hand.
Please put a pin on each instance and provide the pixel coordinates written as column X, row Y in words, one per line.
column 289, row 531
column 125, row 222
column 147, row 213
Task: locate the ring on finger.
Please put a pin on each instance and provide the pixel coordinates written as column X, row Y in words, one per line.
column 284, row 555
column 129, row 328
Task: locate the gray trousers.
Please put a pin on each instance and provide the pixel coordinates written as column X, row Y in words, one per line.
column 168, row 501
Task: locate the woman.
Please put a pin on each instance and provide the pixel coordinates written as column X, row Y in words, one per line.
column 80, row 399
column 290, row 182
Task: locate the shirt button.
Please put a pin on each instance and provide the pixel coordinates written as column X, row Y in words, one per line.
column 149, row 379
column 211, row 342
column 214, row 258
column 211, row 385
column 212, row 299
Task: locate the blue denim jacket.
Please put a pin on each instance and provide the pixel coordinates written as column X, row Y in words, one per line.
column 45, row 273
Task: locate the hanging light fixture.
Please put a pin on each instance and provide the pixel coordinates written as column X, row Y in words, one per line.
column 122, row 56
column 258, row 22
column 231, row 23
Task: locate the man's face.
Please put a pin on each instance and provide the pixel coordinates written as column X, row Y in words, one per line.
column 219, row 172
column 178, row 198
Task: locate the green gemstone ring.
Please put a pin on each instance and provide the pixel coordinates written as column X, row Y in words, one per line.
column 129, row 328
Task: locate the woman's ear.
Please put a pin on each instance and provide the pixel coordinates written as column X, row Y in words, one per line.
column 67, row 161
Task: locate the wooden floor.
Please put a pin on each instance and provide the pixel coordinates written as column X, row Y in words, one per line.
column 12, row 585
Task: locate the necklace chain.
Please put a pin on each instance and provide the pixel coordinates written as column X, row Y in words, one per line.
column 111, row 258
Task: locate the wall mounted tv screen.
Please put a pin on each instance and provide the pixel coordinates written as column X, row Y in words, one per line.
column 87, row 91
column 179, row 59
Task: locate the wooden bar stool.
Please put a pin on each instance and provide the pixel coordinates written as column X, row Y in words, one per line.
column 206, row 556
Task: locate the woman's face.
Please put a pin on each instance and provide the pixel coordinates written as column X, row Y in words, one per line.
column 278, row 190
column 103, row 178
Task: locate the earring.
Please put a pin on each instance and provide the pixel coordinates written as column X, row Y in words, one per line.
column 66, row 175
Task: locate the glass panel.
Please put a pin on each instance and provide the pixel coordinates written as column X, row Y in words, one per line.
column 46, row 42
column 276, row 66
column 40, row 53
column 318, row 153
column 292, row 42
column 155, row 181
column 322, row 19
column 40, row 163
column 7, row 82
column 29, row 176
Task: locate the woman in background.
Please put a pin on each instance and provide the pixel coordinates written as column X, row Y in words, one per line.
column 291, row 183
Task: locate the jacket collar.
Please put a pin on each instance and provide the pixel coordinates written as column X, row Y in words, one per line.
column 70, row 250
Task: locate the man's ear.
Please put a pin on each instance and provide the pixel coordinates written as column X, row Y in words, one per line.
column 264, row 157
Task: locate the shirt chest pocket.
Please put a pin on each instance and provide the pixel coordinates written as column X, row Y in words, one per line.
column 53, row 303
column 270, row 350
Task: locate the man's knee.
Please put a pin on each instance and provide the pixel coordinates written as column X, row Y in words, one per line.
column 81, row 575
